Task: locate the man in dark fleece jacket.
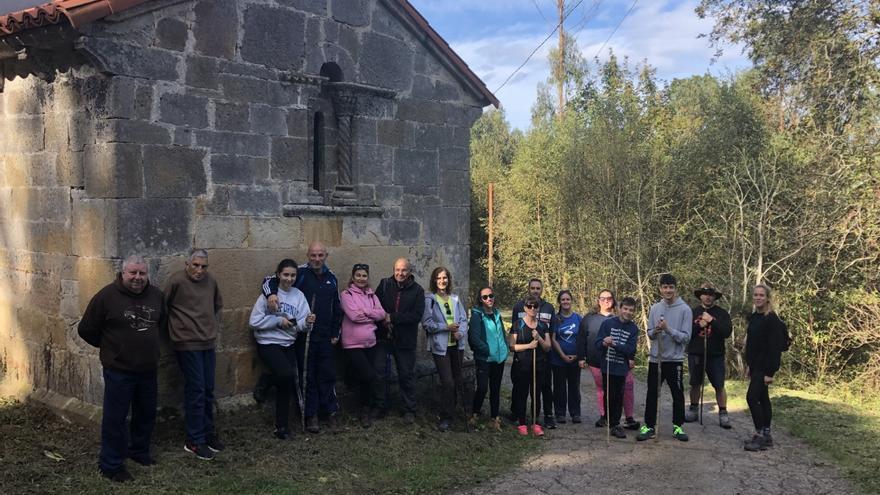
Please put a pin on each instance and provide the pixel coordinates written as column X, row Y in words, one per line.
column 123, row 320
column 617, row 341
column 711, row 327
column 404, row 302
column 545, row 316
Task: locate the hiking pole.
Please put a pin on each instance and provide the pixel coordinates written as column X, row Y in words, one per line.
column 534, row 386
column 704, row 375
column 659, row 382
column 607, row 401
column 306, row 368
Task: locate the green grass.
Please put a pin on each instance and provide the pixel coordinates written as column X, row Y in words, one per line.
column 845, row 431
column 388, row 458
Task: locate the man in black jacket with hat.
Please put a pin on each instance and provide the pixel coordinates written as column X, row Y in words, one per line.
column 711, row 327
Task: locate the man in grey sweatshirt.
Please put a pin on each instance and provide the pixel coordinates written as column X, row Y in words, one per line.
column 669, row 330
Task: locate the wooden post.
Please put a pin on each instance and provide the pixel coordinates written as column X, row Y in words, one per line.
column 491, row 234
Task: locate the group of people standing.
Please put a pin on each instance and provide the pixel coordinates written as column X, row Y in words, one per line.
column 301, row 314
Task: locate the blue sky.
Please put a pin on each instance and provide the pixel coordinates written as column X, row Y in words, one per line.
column 495, row 36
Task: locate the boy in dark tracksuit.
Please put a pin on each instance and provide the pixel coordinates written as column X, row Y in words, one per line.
column 616, row 341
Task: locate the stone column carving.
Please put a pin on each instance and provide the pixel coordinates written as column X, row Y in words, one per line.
column 345, row 107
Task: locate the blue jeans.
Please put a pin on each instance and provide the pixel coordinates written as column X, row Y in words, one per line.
column 198, row 393
column 124, row 389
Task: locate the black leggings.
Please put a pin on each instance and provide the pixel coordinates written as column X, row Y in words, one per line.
column 521, row 376
column 361, row 361
column 758, row 397
column 488, row 380
column 281, row 362
column 671, row 373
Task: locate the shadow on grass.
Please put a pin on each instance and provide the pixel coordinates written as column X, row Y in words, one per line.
column 39, row 453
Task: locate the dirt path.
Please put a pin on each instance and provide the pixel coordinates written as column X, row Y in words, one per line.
column 576, row 460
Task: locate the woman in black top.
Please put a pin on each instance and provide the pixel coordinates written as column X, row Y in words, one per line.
column 526, row 335
column 766, row 339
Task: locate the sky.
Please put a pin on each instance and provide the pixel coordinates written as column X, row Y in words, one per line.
column 495, row 36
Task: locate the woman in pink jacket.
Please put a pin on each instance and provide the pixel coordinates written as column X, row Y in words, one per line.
column 362, row 312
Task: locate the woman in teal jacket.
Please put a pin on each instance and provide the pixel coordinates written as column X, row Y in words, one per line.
column 488, row 342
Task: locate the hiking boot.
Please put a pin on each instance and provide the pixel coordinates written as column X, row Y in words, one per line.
column 768, row 439
column 645, row 433
column 523, row 430
column 631, row 424
column 214, row 443
column 679, row 434
column 333, row 424
column 495, row 425
column 576, row 420
column 724, row 420
column 261, row 389
column 282, row 433
column 409, row 418
column 549, row 422
column 600, row 423
column 560, row 420
column 692, row 414
column 144, row 460
column 537, row 430
column 617, row 432
column 120, row 476
column 755, row 444
column 443, row 425
column 365, row 420
column 473, row 421
column 312, row 425
column 201, row 451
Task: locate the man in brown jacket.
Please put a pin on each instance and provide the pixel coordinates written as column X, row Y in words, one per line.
column 194, row 304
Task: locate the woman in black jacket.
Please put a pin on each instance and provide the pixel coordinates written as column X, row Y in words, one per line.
column 766, row 339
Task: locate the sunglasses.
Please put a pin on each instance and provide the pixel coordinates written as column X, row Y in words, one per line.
column 361, row 266
column 486, row 297
column 606, row 298
column 448, row 309
column 531, row 306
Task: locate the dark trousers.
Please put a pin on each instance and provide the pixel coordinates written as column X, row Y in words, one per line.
column 613, row 386
column 567, row 390
column 449, row 369
column 198, row 393
column 521, row 376
column 758, row 398
column 281, row 362
column 671, row 373
column 320, row 393
column 361, row 362
column 488, row 380
column 123, row 389
column 545, row 384
column 405, row 362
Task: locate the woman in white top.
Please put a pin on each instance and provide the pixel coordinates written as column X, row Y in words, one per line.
column 275, row 333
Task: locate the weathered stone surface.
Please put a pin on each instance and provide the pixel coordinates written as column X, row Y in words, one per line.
column 173, row 172
column 434, row 89
column 113, row 171
column 326, row 230
column 363, row 231
column 281, row 232
column 154, row 227
column 260, row 201
column 353, row 12
column 213, row 232
column 267, row 119
column 69, row 169
column 386, row 62
column 273, row 37
column 201, row 72
column 184, row 110
column 432, row 137
column 446, row 226
column 133, row 131
column 171, row 34
column 91, row 217
column 233, row 143
column 47, row 237
column 415, row 169
column 132, row 60
column 298, row 122
column 455, row 159
column 404, row 231
column 388, row 25
column 27, row 134
column 428, row 112
column 364, row 131
column 244, row 89
column 231, row 117
column 231, row 169
column 290, row 159
column 216, row 28
column 143, row 102
column 312, row 6
column 375, row 163
column 455, row 187
column 395, row 133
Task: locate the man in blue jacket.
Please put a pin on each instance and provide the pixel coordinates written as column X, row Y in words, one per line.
column 320, row 287
column 616, row 341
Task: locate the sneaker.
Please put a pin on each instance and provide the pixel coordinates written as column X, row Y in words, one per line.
column 261, row 389
column 537, row 430
column 312, row 425
column 201, row 451
column 645, row 433
column 409, row 418
column 679, row 434
column 144, row 460
column 282, row 433
column 768, row 439
column 617, row 432
column 214, row 443
column 600, row 423
column 692, row 414
column 576, row 420
column 120, row 476
column 443, row 425
column 560, row 420
column 550, row 422
column 631, row 424
column 724, row 420
column 365, row 420
column 523, row 430
column 755, row 444
column 495, row 425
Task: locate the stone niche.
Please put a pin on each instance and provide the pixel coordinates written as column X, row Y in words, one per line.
column 248, row 128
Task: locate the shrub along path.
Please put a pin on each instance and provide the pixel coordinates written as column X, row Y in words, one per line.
column 575, row 459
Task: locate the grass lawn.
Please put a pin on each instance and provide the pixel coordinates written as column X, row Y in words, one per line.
column 40, row 453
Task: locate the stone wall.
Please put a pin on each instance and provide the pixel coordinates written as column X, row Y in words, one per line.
column 193, row 124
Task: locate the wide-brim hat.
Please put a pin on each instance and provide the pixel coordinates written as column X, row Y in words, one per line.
column 708, row 289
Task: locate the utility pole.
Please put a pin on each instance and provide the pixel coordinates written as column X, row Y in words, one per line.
column 491, row 234
column 560, row 5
